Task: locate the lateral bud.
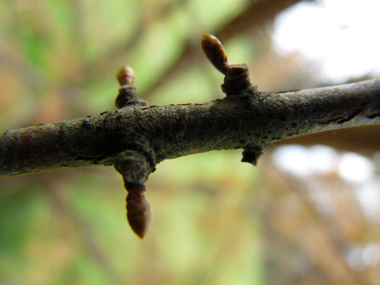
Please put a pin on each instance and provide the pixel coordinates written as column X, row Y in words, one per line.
column 135, row 167
column 126, row 76
column 214, row 51
column 127, row 92
column 236, row 80
column 138, row 209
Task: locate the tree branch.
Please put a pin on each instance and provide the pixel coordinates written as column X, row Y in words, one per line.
column 136, row 136
column 247, row 119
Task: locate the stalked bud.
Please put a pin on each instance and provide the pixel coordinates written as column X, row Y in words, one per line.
column 214, row 51
column 127, row 92
column 138, row 209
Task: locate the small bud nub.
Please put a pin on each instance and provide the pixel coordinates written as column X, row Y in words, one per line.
column 126, row 76
column 252, row 153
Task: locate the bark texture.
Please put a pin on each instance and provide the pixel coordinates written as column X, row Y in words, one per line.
column 250, row 120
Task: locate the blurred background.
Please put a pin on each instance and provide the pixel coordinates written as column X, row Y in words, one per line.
column 307, row 214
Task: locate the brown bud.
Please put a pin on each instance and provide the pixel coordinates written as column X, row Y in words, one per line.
column 214, row 51
column 126, row 76
column 138, row 209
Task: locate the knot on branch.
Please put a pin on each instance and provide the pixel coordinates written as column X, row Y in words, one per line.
column 252, row 153
column 236, row 80
column 133, row 166
column 139, row 145
column 127, row 92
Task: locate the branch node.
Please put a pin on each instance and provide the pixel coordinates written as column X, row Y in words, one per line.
column 133, row 166
column 251, row 154
column 236, row 81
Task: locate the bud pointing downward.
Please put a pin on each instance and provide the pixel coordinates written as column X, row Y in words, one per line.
column 138, row 209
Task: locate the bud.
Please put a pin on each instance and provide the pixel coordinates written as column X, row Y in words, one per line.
column 138, row 209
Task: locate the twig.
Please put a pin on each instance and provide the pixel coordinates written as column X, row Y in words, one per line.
column 136, row 137
column 244, row 120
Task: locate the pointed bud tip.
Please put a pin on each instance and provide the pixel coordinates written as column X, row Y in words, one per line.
column 140, row 228
column 140, row 235
column 139, row 222
column 210, row 38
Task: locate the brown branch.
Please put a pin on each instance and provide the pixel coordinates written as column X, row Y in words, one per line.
column 249, row 120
